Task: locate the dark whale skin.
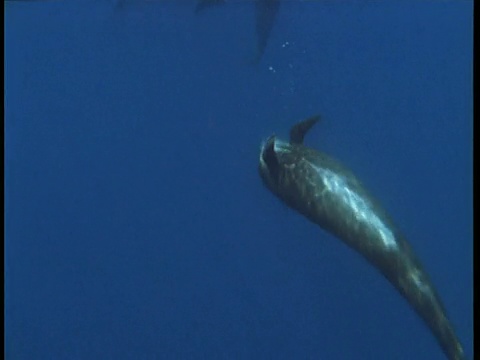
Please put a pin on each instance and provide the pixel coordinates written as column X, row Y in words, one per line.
column 328, row 194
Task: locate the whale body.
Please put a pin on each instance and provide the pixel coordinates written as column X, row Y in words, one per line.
column 327, row 193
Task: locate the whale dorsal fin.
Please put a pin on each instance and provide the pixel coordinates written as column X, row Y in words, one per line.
column 298, row 131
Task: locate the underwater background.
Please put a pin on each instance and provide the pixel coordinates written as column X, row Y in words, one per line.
column 136, row 224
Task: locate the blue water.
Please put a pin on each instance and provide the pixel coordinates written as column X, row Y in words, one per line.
column 137, row 226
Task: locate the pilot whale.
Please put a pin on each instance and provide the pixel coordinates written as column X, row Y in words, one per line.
column 327, row 193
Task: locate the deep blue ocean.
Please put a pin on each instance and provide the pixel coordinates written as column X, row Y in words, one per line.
column 136, row 223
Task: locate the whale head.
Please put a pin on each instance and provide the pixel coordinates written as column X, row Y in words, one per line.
column 275, row 156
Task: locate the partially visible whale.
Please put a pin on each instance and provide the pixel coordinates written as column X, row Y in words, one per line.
column 329, row 195
column 205, row 4
column 265, row 14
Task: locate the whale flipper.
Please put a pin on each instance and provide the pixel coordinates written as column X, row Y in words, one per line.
column 298, row 131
